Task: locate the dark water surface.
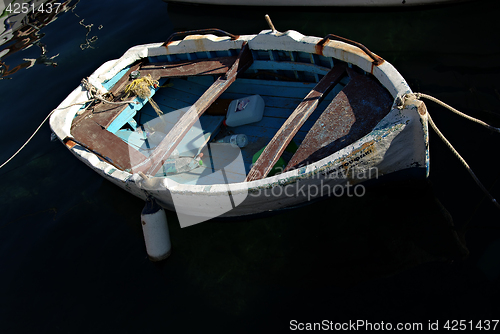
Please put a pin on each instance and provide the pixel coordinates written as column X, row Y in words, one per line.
column 72, row 255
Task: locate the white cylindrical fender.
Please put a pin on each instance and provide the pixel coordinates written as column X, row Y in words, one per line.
column 155, row 229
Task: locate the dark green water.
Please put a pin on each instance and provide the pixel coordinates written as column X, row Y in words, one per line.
column 72, row 256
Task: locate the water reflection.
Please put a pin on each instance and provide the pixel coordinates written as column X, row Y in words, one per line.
column 20, row 28
column 88, row 40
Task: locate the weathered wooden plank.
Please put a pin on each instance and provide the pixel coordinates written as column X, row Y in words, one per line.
column 285, row 134
column 173, row 138
column 266, row 89
column 219, row 65
column 353, row 113
column 106, row 145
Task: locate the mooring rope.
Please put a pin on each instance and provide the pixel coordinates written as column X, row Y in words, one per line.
column 29, row 139
column 94, row 94
column 443, row 138
column 441, row 103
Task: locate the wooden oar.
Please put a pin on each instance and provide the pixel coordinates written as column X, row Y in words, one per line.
column 151, row 165
column 285, row 134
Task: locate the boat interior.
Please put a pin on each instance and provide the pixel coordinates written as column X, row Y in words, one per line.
column 348, row 109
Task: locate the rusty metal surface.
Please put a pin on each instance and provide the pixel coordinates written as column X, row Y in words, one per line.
column 176, row 35
column 285, row 134
column 321, row 44
column 352, row 114
column 185, row 68
column 173, row 138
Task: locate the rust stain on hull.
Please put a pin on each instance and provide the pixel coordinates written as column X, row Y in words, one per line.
column 422, row 109
column 69, row 143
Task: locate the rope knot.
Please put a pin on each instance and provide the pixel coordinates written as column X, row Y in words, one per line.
column 401, row 100
column 94, row 94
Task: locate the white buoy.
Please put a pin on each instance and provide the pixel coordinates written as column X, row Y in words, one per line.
column 155, row 229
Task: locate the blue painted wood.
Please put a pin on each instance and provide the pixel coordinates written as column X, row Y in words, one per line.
column 148, row 112
column 181, row 90
column 132, row 138
column 278, row 83
column 175, row 100
column 178, row 96
column 155, row 129
column 158, row 59
column 132, row 123
column 204, row 80
column 288, row 66
column 126, row 116
column 267, row 127
column 111, row 82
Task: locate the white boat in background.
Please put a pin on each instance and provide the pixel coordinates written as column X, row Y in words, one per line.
column 342, row 3
column 362, row 128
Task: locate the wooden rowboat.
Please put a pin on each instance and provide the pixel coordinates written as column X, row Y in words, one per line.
column 333, row 118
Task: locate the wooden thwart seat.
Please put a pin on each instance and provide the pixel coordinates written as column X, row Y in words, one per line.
column 285, row 134
column 212, row 66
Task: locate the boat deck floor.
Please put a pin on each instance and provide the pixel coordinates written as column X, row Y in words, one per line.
column 351, row 109
column 281, row 99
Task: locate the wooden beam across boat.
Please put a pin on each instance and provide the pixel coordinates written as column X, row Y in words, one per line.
column 185, row 68
column 157, row 158
column 106, row 145
column 285, row 134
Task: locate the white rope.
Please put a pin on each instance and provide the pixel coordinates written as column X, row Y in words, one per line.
column 26, row 143
column 455, row 152
column 433, row 99
column 93, row 94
